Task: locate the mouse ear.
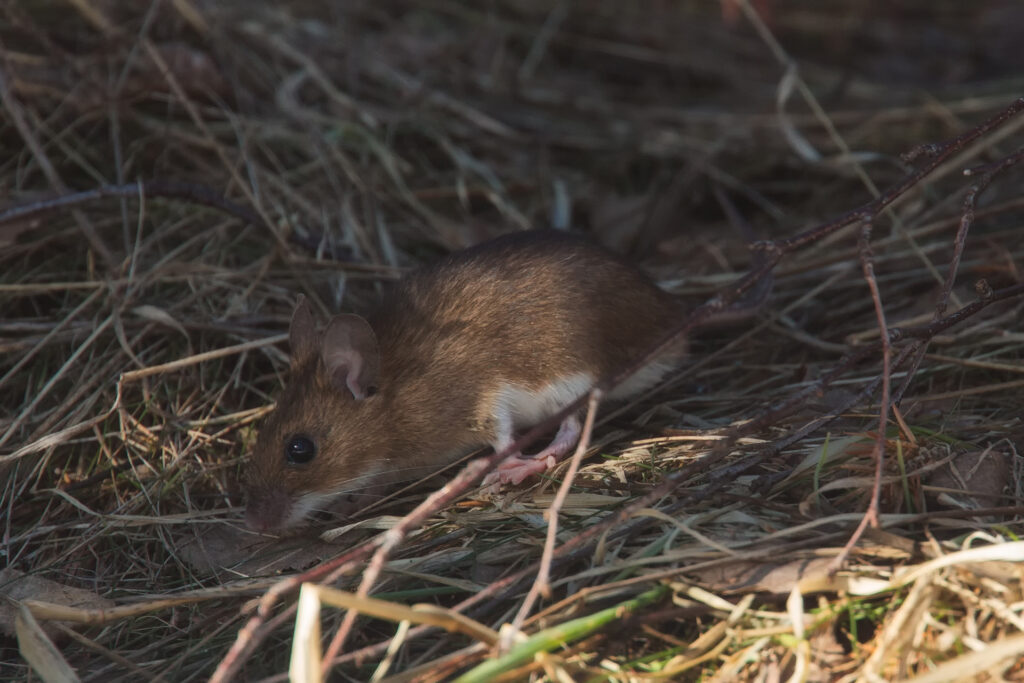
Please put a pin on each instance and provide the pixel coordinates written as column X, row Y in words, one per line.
column 302, row 333
column 350, row 354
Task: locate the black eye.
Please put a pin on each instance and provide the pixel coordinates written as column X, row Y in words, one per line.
column 299, row 450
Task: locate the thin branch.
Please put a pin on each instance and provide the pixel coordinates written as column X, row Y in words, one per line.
column 871, row 515
column 194, row 193
column 542, row 583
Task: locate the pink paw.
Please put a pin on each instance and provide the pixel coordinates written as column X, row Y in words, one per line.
column 515, row 468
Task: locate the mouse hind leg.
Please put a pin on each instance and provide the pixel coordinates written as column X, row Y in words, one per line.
column 517, row 467
column 515, row 406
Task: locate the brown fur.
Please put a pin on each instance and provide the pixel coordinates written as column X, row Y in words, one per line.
column 521, row 310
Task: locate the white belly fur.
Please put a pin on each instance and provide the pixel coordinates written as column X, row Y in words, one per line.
column 515, row 406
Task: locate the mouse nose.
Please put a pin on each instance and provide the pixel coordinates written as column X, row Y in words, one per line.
column 266, row 509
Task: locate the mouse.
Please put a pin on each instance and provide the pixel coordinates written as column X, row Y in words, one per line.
column 466, row 352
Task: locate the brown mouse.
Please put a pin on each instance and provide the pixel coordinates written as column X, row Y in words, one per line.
column 460, row 354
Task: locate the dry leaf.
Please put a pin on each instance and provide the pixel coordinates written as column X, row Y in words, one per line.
column 39, row 651
column 743, row 576
column 981, row 475
column 159, row 315
column 226, row 547
column 19, row 586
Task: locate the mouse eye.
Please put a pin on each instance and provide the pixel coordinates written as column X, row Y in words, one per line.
column 299, row 450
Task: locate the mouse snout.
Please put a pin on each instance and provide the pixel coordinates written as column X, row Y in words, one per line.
column 267, row 509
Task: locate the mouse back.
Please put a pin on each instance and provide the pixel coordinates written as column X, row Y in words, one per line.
column 529, row 305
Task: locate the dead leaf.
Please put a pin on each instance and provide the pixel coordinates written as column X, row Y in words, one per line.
column 226, row 547
column 746, row 576
column 159, row 315
column 973, row 480
column 19, row 586
column 39, row 651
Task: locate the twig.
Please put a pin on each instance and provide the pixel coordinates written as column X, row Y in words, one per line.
column 871, row 515
column 989, row 172
column 174, row 365
column 191, row 192
column 541, row 584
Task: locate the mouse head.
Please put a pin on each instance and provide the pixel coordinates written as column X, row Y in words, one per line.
column 317, row 443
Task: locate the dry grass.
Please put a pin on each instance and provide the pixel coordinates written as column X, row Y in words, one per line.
column 141, row 335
